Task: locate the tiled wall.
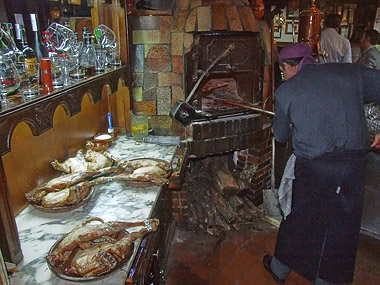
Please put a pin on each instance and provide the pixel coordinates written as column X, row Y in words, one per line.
column 159, row 43
column 156, row 70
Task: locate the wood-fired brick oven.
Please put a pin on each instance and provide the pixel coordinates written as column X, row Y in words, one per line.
column 237, row 77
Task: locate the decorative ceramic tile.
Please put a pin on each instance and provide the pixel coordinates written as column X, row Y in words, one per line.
column 137, row 79
column 234, row 19
column 145, row 23
column 137, row 94
column 165, row 27
column 138, row 58
column 177, row 94
column 146, row 37
column 249, row 22
column 204, row 19
column 170, row 79
column 191, row 21
column 195, row 3
column 164, row 95
column 150, row 81
column 219, row 17
column 180, row 21
column 158, row 58
column 178, row 64
column 148, row 108
column 177, row 43
column 150, row 95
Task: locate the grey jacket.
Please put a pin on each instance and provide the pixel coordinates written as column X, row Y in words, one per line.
column 322, row 107
column 370, row 58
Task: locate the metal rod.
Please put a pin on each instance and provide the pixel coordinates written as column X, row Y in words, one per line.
column 245, row 106
column 204, row 73
column 272, row 177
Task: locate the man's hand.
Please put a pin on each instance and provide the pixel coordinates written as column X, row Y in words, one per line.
column 376, row 141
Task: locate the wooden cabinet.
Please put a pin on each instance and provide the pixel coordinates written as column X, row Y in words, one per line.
column 51, row 126
column 151, row 258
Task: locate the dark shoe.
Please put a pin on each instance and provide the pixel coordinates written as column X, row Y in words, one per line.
column 266, row 261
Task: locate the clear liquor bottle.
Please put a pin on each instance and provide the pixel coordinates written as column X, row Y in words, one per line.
column 22, row 43
column 39, row 48
column 88, row 56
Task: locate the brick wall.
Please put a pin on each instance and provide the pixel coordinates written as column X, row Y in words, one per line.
column 255, row 163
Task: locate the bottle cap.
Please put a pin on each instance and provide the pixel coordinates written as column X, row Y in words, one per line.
column 45, row 63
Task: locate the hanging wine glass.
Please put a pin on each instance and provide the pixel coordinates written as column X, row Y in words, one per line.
column 62, row 38
column 105, row 37
column 8, row 47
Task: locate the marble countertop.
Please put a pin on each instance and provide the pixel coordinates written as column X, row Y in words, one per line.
column 112, row 201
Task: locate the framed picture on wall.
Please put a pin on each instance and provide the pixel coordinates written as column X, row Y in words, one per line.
column 277, row 32
column 344, row 31
column 289, row 27
column 292, row 14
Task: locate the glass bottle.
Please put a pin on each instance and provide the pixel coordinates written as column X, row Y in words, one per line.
column 88, row 55
column 39, row 48
column 66, row 68
column 76, row 54
column 84, row 33
column 28, row 53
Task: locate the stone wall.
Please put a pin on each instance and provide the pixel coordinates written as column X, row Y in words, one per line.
column 158, row 46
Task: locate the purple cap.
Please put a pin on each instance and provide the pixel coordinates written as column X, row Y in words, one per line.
column 297, row 50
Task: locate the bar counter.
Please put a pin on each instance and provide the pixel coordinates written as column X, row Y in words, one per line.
column 111, row 201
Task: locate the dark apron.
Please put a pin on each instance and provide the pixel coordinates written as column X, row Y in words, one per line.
column 320, row 236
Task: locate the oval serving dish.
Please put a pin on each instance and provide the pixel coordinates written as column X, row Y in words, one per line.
column 61, row 270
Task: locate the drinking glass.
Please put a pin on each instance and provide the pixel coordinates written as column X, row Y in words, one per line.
column 56, row 67
column 30, row 79
column 9, row 78
column 100, row 59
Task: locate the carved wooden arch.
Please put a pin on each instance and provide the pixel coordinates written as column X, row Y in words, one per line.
column 38, row 114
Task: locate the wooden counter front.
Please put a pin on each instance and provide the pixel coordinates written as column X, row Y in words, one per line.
column 52, row 126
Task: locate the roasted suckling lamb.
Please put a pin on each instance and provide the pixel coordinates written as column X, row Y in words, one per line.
column 63, row 182
column 89, row 161
column 145, row 162
column 95, row 249
column 104, row 256
column 68, row 196
column 77, row 163
column 144, row 170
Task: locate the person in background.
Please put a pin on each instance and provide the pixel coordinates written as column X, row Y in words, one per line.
column 370, row 56
column 336, row 46
column 322, row 107
column 356, row 36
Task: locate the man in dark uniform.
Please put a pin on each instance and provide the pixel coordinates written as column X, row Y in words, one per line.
column 322, row 107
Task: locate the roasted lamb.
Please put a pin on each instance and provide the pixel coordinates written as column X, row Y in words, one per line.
column 90, row 161
column 95, row 249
